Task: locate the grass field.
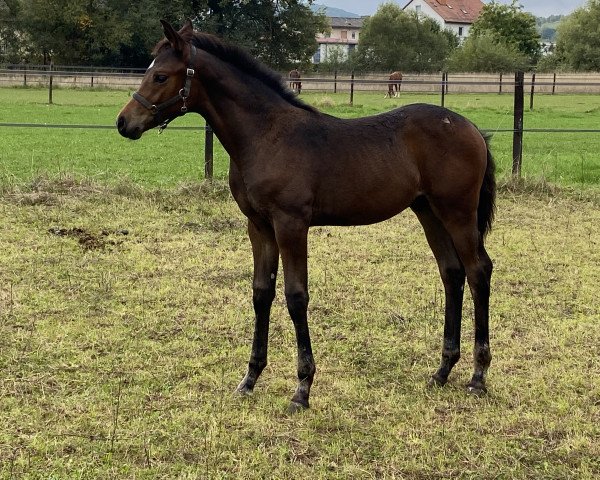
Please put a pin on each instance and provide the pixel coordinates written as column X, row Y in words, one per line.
column 125, row 325
column 177, row 156
column 126, row 316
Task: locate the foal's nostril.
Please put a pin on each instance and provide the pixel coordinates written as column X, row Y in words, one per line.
column 121, row 123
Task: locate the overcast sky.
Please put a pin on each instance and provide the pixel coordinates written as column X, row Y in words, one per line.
column 539, row 8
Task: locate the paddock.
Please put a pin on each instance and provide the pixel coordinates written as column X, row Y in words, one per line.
column 125, row 319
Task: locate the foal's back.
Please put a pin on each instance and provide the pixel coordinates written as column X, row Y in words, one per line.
column 371, row 168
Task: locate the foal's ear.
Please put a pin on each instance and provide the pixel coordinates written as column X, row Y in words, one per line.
column 187, row 30
column 172, row 36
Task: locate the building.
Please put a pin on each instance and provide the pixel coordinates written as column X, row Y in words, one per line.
column 342, row 39
column 454, row 15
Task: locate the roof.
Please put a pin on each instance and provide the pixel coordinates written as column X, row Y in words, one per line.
column 344, row 22
column 455, row 11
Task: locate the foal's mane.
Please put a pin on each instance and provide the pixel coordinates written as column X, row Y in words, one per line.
column 241, row 59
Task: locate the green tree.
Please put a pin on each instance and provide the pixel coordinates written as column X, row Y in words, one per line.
column 486, row 53
column 73, row 31
column 509, row 24
column 10, row 45
column 281, row 33
column 121, row 32
column 393, row 39
column 578, row 41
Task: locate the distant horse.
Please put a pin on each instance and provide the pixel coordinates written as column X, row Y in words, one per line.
column 395, row 84
column 293, row 167
column 295, row 83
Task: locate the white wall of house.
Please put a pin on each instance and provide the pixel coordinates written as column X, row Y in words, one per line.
column 340, row 39
column 461, row 30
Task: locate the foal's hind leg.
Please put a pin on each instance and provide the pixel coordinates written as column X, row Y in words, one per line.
column 292, row 239
column 478, row 266
column 453, row 278
column 266, row 260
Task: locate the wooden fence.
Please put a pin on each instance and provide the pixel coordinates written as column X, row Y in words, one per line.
column 515, row 84
column 547, row 83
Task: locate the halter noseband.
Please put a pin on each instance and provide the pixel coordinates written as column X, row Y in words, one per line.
column 183, row 94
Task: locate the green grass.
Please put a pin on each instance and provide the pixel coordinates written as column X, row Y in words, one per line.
column 126, row 321
column 177, row 156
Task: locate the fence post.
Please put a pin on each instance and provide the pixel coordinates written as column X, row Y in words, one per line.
column 335, row 81
column 532, row 90
column 352, row 88
column 500, row 91
column 25, row 76
column 554, row 83
column 208, row 152
column 443, row 87
column 518, row 124
column 50, row 85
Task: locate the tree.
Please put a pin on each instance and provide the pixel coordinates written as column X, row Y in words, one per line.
column 395, row 40
column 73, row 31
column 510, row 24
column 10, row 45
column 121, row 32
column 281, row 33
column 486, row 53
column 578, row 42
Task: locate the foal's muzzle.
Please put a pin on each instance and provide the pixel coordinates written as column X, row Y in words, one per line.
column 124, row 129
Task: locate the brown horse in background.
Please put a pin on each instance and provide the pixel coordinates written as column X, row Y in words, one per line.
column 293, row 167
column 295, row 83
column 395, row 84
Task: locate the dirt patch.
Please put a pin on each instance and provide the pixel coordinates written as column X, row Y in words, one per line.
column 88, row 240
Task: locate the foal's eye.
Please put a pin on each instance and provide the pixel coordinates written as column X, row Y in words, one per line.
column 160, row 78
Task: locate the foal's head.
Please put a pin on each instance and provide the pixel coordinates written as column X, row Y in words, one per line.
column 166, row 86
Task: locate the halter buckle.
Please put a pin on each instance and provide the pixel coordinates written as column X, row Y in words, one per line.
column 190, row 72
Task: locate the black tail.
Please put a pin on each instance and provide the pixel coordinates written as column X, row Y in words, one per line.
column 487, row 194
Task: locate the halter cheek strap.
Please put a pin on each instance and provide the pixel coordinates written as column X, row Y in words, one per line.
column 183, row 95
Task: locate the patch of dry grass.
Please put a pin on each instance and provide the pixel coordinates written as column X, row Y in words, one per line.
column 119, row 362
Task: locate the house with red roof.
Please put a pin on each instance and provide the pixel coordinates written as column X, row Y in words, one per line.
column 454, row 15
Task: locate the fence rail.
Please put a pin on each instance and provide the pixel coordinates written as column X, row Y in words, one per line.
column 517, row 88
column 88, row 77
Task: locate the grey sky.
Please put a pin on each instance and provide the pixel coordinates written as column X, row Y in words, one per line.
column 539, row 8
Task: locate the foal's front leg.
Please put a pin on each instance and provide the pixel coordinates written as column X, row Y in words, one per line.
column 266, row 260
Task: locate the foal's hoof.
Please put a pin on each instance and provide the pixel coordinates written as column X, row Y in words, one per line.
column 243, row 390
column 436, row 381
column 295, row 407
column 477, row 389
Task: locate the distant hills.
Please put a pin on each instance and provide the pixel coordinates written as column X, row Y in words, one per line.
column 333, row 12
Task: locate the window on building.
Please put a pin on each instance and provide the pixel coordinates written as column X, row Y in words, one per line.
column 344, row 34
column 460, row 31
column 353, row 34
column 418, row 8
column 317, row 56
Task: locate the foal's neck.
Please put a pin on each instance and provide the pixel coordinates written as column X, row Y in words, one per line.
column 240, row 108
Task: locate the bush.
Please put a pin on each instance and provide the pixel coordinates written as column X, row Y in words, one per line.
column 486, row 53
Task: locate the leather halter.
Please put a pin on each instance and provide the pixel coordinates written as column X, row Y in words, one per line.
column 183, row 94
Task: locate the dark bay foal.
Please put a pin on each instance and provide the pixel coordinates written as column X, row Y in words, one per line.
column 293, row 167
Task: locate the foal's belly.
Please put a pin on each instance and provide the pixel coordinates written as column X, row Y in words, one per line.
column 359, row 209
